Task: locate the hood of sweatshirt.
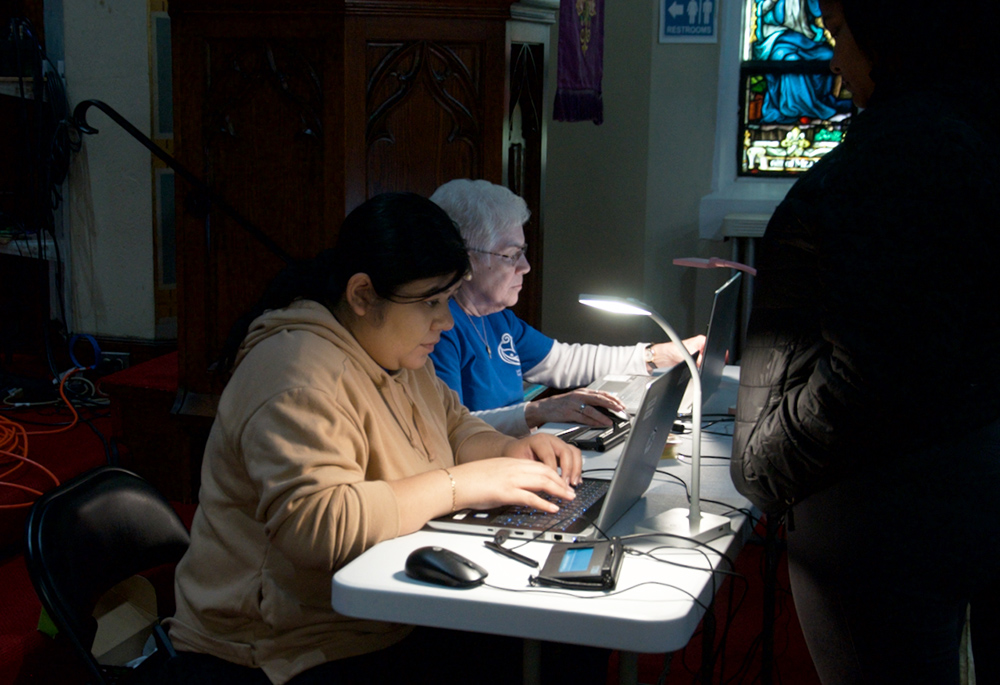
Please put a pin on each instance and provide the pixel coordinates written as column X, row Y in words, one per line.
column 312, row 317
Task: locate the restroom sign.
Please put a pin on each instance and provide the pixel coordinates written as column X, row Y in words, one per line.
column 689, row 21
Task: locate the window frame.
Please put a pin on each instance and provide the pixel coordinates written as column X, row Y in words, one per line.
column 747, row 200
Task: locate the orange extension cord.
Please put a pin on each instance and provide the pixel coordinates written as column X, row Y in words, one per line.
column 14, row 444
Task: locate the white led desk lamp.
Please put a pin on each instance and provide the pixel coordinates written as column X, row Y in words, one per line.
column 690, row 523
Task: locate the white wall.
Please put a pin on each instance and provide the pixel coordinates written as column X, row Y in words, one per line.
column 684, row 89
column 109, row 209
column 622, row 198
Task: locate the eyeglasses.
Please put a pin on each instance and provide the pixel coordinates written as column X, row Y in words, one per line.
column 512, row 258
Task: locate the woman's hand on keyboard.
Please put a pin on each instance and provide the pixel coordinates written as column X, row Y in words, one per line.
column 494, row 482
column 551, row 451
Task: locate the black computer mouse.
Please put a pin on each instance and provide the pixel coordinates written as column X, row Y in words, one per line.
column 444, row 567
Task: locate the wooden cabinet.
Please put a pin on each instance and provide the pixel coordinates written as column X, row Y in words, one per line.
column 297, row 112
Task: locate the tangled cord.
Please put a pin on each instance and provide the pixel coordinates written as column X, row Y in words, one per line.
column 14, row 446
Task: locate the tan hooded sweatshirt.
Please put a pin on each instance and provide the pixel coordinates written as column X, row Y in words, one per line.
column 293, row 486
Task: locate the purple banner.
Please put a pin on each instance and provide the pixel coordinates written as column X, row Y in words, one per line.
column 581, row 61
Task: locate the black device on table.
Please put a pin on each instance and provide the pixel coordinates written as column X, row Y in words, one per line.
column 599, row 438
column 582, row 565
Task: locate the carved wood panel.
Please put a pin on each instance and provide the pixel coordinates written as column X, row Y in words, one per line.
column 424, row 102
column 263, row 147
column 259, row 143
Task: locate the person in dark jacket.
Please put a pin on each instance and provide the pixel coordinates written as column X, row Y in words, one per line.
column 869, row 403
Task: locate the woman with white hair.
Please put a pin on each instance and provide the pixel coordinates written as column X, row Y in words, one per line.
column 490, row 352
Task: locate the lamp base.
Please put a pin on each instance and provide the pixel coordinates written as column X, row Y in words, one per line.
column 678, row 522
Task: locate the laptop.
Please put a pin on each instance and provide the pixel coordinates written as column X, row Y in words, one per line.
column 718, row 343
column 599, row 503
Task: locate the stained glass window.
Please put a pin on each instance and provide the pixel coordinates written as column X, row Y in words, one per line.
column 793, row 109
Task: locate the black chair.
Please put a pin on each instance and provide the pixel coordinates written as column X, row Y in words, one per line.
column 86, row 536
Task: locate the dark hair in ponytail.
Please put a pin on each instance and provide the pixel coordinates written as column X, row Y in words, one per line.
column 395, row 238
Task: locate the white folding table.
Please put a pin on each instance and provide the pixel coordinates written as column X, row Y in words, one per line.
column 653, row 610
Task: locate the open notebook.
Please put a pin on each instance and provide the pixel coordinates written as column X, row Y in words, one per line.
column 599, row 503
column 718, row 344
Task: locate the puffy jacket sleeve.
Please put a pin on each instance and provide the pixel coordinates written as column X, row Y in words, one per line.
column 860, row 326
column 792, row 389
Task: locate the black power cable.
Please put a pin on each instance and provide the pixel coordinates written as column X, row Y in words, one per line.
column 48, row 140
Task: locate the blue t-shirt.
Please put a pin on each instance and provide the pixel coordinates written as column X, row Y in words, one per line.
column 483, row 381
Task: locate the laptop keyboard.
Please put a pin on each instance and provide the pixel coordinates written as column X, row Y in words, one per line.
column 587, row 493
